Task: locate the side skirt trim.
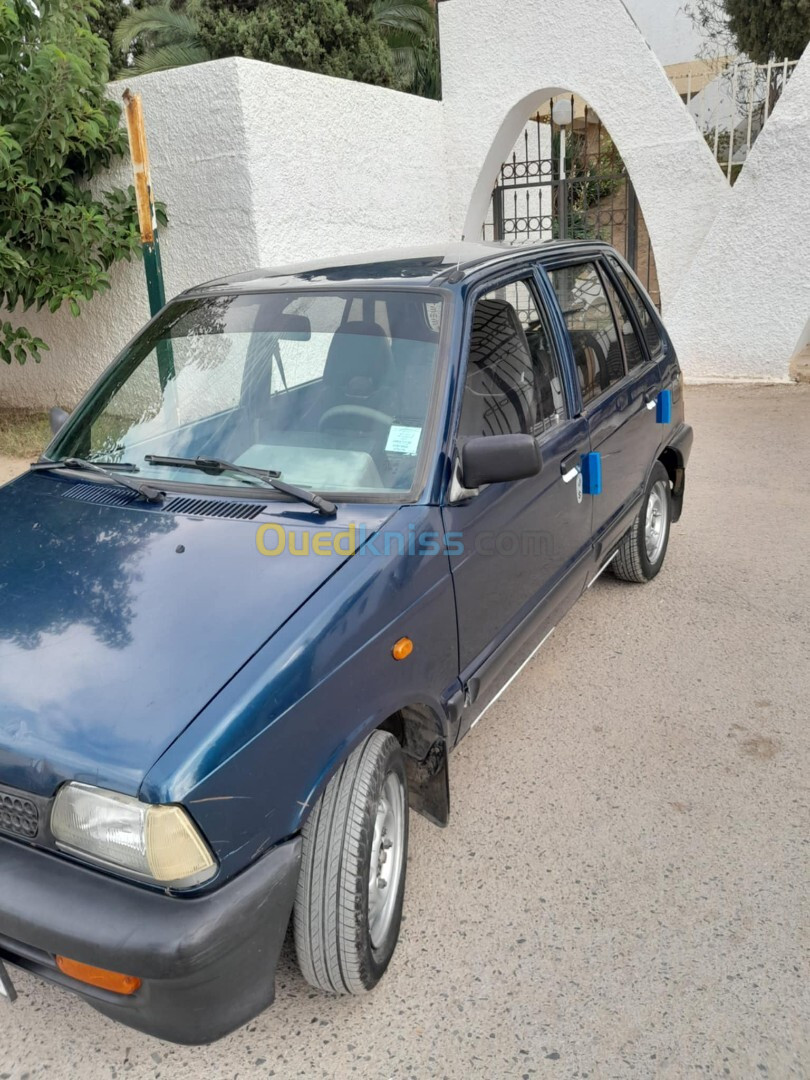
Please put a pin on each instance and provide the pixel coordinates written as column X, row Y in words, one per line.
column 509, row 681
column 602, row 569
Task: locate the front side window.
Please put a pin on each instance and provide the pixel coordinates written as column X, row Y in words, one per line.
column 594, row 337
column 513, row 384
column 330, row 389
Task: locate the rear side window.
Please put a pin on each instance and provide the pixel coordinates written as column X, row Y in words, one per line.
column 649, row 328
column 591, row 326
column 633, row 349
column 513, row 381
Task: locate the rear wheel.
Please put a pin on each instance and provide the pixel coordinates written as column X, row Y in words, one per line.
column 644, row 546
column 351, row 887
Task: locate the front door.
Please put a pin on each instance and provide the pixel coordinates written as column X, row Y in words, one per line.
column 525, row 544
column 618, row 386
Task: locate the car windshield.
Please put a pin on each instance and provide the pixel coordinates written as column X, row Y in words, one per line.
column 331, row 390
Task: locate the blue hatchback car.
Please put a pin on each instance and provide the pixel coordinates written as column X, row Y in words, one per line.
column 288, row 551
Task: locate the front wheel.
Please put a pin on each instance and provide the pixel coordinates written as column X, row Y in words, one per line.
column 644, row 546
column 351, row 887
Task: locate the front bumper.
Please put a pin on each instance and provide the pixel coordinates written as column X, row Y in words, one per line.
column 208, row 963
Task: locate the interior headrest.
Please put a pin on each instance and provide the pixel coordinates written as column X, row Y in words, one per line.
column 288, row 327
column 359, row 351
column 495, row 326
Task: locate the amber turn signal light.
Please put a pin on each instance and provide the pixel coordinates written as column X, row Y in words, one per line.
column 402, row 649
column 95, row 976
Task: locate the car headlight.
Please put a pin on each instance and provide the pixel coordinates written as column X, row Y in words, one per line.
column 155, row 843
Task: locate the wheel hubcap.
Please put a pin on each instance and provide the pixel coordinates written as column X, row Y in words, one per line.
column 655, row 528
column 385, row 870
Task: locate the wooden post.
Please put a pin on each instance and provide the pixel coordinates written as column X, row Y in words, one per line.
column 147, row 223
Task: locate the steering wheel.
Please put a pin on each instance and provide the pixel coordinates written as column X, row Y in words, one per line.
column 357, row 418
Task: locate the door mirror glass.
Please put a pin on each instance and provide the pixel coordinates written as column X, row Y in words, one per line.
column 498, row 459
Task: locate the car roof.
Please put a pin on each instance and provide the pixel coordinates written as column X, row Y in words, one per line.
column 394, row 268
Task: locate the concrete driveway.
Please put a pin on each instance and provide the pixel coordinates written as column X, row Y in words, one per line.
column 622, row 891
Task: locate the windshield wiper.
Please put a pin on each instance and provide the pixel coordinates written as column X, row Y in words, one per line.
column 268, row 477
column 151, row 494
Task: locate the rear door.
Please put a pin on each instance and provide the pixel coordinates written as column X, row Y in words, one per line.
column 618, row 385
column 523, row 548
column 643, row 350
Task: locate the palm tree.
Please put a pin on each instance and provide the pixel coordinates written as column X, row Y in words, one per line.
column 411, row 30
column 157, row 37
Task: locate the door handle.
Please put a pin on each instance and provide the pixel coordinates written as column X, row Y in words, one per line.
column 651, row 399
column 570, row 472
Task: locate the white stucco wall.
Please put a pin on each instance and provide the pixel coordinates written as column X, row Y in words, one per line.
column 742, row 309
column 198, row 154
column 501, row 59
column 339, row 167
column 258, row 165
column 261, row 165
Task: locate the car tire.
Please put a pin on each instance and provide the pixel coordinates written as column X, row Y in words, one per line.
column 643, row 547
column 346, row 922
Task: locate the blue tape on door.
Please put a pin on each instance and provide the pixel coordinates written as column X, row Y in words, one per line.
column 663, row 408
column 592, row 474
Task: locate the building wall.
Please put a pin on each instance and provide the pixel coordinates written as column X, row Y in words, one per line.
column 339, row 167
column 260, row 165
column 200, row 170
column 742, row 309
column 593, row 48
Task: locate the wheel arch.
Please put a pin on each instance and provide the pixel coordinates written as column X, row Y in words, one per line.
column 673, row 461
column 422, row 733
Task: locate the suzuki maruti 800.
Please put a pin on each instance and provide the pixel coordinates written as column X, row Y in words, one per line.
column 283, row 557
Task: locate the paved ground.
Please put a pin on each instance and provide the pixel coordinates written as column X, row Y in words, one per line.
column 622, row 890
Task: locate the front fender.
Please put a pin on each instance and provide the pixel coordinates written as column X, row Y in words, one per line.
column 256, row 759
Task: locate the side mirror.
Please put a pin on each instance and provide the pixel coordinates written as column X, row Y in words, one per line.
column 497, row 459
column 58, row 418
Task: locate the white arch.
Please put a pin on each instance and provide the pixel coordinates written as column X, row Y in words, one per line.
column 503, row 58
column 742, row 311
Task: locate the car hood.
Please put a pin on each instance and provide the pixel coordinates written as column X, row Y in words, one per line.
column 119, row 623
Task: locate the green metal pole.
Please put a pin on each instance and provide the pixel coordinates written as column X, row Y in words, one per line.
column 154, row 276
column 157, row 301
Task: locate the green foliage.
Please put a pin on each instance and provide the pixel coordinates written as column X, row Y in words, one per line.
column 410, row 28
column 761, row 29
column 387, row 42
column 103, row 22
column 158, row 37
column 595, row 173
column 326, row 36
column 770, row 29
column 58, row 130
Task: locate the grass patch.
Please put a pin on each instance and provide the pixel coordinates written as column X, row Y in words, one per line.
column 23, row 434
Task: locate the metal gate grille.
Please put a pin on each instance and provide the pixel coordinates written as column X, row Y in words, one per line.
column 571, row 184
